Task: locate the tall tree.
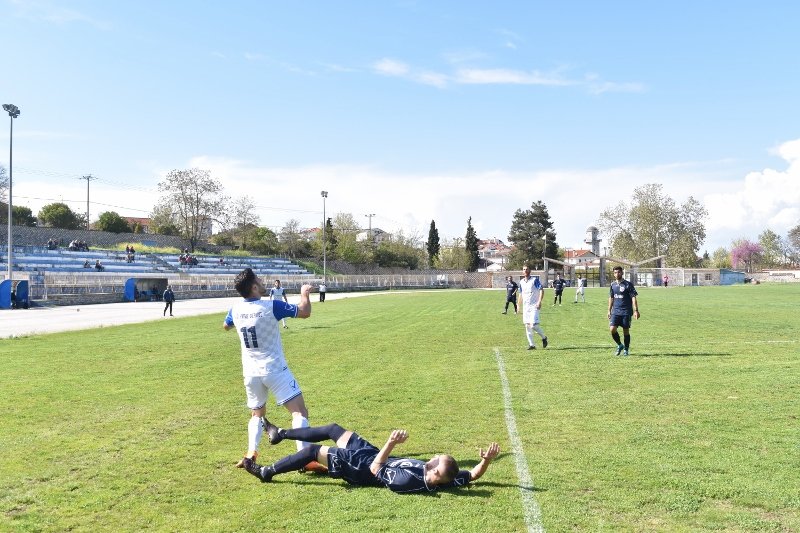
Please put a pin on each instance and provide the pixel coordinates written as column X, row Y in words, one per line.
column 433, row 244
column 793, row 244
column 471, row 246
column 20, row 215
column 196, row 200
column 652, row 225
column 527, row 234
column 292, row 241
column 111, row 221
column 163, row 220
column 453, row 255
column 345, row 240
column 745, row 254
column 772, row 248
column 59, row 215
column 721, row 258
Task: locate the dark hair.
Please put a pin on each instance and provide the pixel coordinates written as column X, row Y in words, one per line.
column 617, row 268
column 244, row 282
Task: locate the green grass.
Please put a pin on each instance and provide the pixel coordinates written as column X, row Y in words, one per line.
column 137, row 427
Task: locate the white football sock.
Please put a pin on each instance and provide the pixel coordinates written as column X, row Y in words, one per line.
column 529, row 334
column 299, row 421
column 254, row 432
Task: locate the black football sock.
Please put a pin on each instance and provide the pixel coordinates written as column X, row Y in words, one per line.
column 314, row 434
column 627, row 341
column 296, row 461
column 615, row 336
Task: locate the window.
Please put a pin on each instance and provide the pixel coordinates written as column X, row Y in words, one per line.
column 708, row 277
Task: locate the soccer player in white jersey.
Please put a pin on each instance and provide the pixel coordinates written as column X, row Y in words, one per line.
column 579, row 289
column 531, row 294
column 275, row 293
column 263, row 363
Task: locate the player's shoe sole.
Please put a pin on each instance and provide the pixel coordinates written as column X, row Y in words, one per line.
column 264, row 473
column 315, row 467
column 273, row 431
column 252, row 456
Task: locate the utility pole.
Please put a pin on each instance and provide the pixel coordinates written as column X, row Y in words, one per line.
column 88, row 179
column 370, row 227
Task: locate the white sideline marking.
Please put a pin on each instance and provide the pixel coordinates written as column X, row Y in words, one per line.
column 530, row 508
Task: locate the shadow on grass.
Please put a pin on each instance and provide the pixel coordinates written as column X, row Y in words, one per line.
column 661, row 354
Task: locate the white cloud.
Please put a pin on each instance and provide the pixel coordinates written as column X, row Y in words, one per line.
column 506, row 76
column 45, row 11
column 390, row 67
column 764, row 199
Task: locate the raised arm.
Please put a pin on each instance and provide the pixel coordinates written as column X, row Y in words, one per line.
column 397, row 436
column 486, row 457
column 304, row 307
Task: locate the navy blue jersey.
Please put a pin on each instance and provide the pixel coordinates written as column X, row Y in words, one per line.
column 559, row 285
column 407, row 476
column 352, row 463
column 622, row 292
column 511, row 290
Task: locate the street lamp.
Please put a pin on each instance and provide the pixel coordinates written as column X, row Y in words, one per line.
column 324, row 242
column 544, row 252
column 13, row 112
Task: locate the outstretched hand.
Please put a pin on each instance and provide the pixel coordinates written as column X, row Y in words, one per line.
column 490, row 453
column 398, row 436
column 305, row 290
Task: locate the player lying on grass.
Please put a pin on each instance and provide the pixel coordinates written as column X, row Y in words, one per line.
column 360, row 463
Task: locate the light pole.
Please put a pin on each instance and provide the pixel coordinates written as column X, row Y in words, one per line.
column 544, row 252
column 324, row 241
column 13, row 112
column 369, row 216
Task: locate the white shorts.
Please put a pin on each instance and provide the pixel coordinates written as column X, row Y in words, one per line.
column 579, row 290
column 530, row 315
column 282, row 384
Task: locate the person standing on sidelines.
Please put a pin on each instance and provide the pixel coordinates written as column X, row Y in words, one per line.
column 264, row 365
column 531, row 294
column 275, row 293
column 622, row 304
column 322, row 290
column 579, row 289
column 169, row 297
column 558, row 287
column 511, row 294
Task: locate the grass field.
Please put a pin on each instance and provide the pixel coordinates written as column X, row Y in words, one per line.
column 137, row 427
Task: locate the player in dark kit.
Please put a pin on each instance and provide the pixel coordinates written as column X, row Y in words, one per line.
column 622, row 303
column 558, row 287
column 511, row 294
column 360, row 463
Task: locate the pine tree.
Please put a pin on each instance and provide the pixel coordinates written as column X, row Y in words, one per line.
column 433, row 244
column 471, row 245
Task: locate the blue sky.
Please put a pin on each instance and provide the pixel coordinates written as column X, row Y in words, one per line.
column 411, row 110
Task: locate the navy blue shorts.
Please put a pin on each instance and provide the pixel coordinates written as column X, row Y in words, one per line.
column 620, row 320
column 352, row 462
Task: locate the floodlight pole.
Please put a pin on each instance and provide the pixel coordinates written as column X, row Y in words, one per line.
column 324, row 241
column 13, row 112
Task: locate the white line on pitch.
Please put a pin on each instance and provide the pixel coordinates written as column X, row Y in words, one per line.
column 530, row 508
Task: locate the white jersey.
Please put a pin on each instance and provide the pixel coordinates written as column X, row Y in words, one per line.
column 256, row 323
column 277, row 293
column 529, row 290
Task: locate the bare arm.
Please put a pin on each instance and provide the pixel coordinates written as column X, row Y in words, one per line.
column 226, row 327
column 610, row 305
column 486, row 457
column 397, row 436
column 304, row 307
column 636, row 313
column 541, row 297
